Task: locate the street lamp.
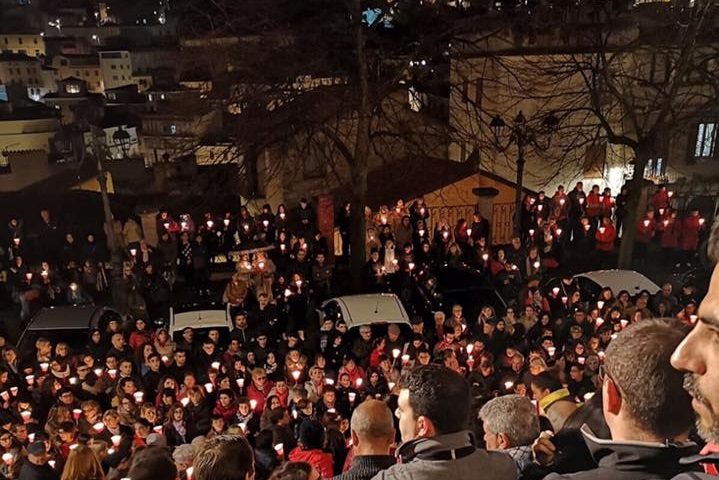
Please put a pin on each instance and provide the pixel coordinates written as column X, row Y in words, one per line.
column 523, row 134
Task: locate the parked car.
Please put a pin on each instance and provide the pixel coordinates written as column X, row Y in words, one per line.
column 446, row 285
column 593, row 282
column 69, row 324
column 202, row 318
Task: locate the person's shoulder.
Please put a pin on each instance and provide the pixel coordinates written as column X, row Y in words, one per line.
column 694, row 476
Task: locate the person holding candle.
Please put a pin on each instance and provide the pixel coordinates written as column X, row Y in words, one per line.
column 309, row 449
column 692, row 226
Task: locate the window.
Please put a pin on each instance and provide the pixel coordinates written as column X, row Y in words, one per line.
column 19, row 41
column 173, row 129
column 63, row 62
column 34, row 40
column 113, row 67
column 114, row 77
column 656, row 167
column 72, row 88
column 705, row 141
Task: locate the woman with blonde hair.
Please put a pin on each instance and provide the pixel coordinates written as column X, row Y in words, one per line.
column 82, row 464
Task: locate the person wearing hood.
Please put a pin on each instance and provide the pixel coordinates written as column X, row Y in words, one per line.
column 646, row 408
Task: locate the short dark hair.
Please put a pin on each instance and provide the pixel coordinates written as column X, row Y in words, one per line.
column 292, row 471
column 153, row 463
column 312, row 434
column 546, row 381
column 224, row 457
column 713, row 243
column 440, row 394
column 651, row 389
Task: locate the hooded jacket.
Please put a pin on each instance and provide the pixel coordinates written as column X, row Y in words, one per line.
column 631, row 460
column 450, row 456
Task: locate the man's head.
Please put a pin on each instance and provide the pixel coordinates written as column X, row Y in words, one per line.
column 372, row 428
column 425, row 395
column 225, row 457
column 153, row 463
column 700, row 350
column 644, row 400
column 509, row 421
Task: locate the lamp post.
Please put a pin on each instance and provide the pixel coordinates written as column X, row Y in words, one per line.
column 523, row 134
column 99, row 151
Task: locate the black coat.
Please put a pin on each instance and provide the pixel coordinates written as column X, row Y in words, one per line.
column 631, row 461
column 30, row 471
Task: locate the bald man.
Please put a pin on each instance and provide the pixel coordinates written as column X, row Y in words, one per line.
column 372, row 431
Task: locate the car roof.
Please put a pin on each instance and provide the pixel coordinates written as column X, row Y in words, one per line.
column 64, row 318
column 629, row 280
column 371, row 308
column 199, row 319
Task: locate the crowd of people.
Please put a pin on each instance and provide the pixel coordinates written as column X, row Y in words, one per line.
column 551, row 385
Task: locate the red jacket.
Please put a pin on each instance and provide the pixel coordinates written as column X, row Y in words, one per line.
column 690, row 233
column 645, row 230
column 605, row 236
column 660, row 199
column 594, row 205
column 259, row 396
column 607, row 205
column 228, row 413
column 322, row 461
column 672, row 232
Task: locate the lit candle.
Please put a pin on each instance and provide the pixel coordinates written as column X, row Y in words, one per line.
column 185, row 401
column 188, row 472
column 646, row 223
column 485, row 257
column 469, row 232
column 601, row 229
column 26, row 414
column 581, row 360
column 558, row 231
column 396, row 352
column 562, row 201
column 411, row 265
column 531, row 232
column 210, row 224
column 352, row 396
column 253, row 404
column 551, row 351
column 44, row 367
column 555, row 291
column 76, row 413
column 405, row 359
column 296, row 374
column 98, row 427
column 280, row 449
column 391, row 386
column 28, row 275
column 133, row 251
column 600, row 304
column 116, row 440
column 536, row 264
column 226, row 222
column 624, row 322
column 469, row 348
column 508, row 385
column 30, row 379
column 215, row 365
column 157, row 429
column 588, row 396
column 240, row 382
column 7, row 458
column 113, row 373
column 599, row 322
column 329, row 381
column 5, row 395
column 358, row 382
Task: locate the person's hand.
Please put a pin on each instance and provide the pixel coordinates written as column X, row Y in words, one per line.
column 543, row 449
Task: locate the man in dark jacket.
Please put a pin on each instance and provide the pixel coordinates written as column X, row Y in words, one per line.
column 698, row 355
column 36, row 467
column 646, row 409
column 436, row 443
column 373, row 433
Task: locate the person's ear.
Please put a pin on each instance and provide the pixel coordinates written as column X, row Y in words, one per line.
column 503, row 441
column 613, row 397
column 424, row 427
column 355, row 438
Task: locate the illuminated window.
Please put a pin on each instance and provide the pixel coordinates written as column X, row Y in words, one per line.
column 72, row 88
column 705, row 141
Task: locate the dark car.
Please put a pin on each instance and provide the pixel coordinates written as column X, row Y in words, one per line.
column 70, row 324
column 445, row 285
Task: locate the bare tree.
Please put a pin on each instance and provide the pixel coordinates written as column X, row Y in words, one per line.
column 633, row 78
column 327, row 82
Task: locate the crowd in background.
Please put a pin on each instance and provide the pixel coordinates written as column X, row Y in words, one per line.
column 290, row 385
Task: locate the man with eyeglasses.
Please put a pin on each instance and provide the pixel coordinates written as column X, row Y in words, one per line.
column 698, row 356
column 644, row 405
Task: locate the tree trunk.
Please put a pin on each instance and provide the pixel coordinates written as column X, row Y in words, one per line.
column 361, row 153
column 629, row 226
